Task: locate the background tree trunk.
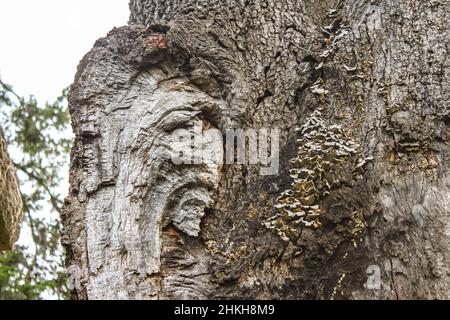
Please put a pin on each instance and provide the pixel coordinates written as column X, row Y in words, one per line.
column 371, row 74
column 10, row 200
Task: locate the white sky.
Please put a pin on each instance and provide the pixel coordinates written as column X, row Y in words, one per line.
column 41, row 44
column 42, row 41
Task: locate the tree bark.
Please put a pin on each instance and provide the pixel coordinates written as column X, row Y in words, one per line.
column 10, row 200
column 369, row 76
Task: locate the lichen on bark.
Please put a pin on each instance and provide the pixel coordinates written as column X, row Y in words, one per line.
column 377, row 70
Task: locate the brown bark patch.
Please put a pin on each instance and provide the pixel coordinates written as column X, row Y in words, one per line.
column 156, row 41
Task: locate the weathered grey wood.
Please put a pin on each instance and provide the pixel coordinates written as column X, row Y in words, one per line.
column 138, row 227
column 10, row 200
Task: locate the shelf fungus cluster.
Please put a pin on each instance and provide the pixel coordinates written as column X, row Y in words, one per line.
column 323, row 154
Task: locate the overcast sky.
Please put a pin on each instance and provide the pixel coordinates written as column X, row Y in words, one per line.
column 42, row 41
column 41, row 44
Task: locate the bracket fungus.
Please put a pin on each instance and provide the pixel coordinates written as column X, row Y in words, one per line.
column 323, row 150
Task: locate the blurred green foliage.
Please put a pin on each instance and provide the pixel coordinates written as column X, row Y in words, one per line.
column 39, row 143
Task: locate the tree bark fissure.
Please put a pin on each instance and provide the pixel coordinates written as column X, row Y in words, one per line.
column 371, row 75
column 10, row 199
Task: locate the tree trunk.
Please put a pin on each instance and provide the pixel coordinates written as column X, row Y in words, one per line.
column 10, row 200
column 359, row 92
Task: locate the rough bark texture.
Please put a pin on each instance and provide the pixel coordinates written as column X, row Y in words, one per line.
column 369, row 77
column 10, row 200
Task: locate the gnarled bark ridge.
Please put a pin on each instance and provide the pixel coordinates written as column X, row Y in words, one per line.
column 366, row 84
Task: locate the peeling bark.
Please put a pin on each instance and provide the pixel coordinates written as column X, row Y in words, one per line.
column 138, row 227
